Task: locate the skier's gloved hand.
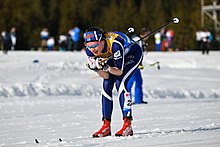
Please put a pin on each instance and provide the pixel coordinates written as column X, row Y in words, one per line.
column 101, row 64
column 91, row 63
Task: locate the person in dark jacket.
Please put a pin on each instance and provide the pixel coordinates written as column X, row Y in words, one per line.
column 6, row 42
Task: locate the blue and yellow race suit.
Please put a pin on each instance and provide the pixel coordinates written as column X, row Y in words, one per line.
column 126, row 58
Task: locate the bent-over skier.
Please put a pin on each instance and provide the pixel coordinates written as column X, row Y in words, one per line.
column 112, row 56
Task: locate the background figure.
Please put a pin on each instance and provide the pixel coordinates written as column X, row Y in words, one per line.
column 13, row 38
column 44, row 35
column 206, row 37
column 50, row 43
column 75, row 36
column 217, row 38
column 169, row 36
column 62, row 42
column 69, row 42
column 137, row 77
column 6, row 42
column 138, row 89
column 198, row 39
column 144, row 43
column 164, row 43
column 157, row 37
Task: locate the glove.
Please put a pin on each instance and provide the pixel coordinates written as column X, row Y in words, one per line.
column 141, row 67
column 91, row 63
column 101, row 64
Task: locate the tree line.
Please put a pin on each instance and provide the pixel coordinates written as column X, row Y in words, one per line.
column 30, row 16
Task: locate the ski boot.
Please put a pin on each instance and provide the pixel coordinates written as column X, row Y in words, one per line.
column 126, row 130
column 104, row 131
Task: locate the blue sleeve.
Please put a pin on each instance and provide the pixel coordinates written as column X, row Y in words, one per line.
column 127, row 40
column 118, row 53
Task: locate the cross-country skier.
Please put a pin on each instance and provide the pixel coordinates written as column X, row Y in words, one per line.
column 110, row 55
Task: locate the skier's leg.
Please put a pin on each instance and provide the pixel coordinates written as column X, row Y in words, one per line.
column 132, row 61
column 124, row 96
column 125, row 104
column 107, row 103
column 107, row 106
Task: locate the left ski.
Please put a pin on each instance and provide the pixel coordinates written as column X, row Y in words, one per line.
column 144, row 102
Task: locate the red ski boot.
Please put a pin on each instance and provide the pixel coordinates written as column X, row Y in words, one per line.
column 104, row 131
column 126, row 130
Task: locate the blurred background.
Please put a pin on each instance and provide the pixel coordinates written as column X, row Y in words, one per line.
column 34, row 22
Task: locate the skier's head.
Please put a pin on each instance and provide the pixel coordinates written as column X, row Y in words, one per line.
column 93, row 34
column 94, row 40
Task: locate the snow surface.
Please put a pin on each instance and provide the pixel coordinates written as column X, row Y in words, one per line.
column 52, row 95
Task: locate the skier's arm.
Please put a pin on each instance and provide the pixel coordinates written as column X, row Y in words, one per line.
column 106, row 67
column 103, row 74
column 118, row 59
column 115, row 71
column 112, row 70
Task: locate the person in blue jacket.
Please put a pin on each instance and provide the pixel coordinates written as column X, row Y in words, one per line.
column 112, row 57
column 75, row 38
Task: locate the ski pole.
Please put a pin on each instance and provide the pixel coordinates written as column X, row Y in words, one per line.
column 175, row 21
column 130, row 30
column 155, row 63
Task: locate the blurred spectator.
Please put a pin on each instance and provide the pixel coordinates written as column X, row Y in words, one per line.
column 62, row 42
column 157, row 38
column 169, row 36
column 13, row 38
column 143, row 33
column 69, row 42
column 206, row 37
column 50, row 43
column 44, row 35
column 6, row 42
column 198, row 39
column 217, row 40
column 75, row 36
column 164, row 42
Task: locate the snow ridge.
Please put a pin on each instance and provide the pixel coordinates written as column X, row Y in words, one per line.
column 43, row 89
column 65, row 74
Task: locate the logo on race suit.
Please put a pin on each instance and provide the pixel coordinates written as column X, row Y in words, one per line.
column 129, row 62
column 130, row 57
column 89, row 36
column 117, row 55
column 110, row 37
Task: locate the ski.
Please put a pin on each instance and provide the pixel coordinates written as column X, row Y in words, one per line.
column 144, row 102
column 59, row 141
column 37, row 141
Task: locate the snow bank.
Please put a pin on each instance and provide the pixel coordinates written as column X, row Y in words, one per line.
column 42, row 89
column 65, row 74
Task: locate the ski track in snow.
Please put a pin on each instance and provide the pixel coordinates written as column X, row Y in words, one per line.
column 58, row 97
column 137, row 135
column 112, row 140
